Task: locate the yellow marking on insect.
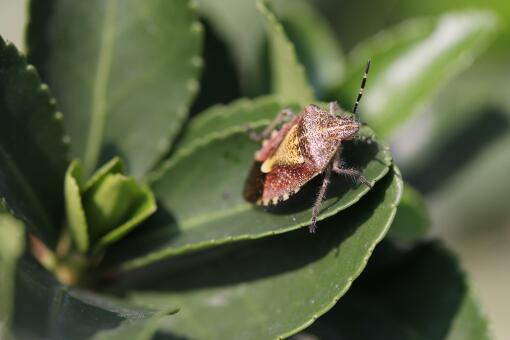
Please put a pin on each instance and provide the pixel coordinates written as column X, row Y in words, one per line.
column 287, row 153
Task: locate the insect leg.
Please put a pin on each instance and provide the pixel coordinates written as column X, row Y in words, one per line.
column 320, row 197
column 354, row 173
column 280, row 118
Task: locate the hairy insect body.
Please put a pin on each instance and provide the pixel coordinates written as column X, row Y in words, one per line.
column 306, row 146
column 299, row 151
column 322, row 133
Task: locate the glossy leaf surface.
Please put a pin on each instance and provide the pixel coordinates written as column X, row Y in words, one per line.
column 277, row 286
column 200, row 196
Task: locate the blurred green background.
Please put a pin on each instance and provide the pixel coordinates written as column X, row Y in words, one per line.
column 455, row 149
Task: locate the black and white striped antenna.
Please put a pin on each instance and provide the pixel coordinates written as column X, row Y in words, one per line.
column 362, row 87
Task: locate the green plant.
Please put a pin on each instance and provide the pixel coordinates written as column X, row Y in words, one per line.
column 103, row 259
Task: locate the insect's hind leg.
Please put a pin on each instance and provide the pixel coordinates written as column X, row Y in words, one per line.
column 280, row 118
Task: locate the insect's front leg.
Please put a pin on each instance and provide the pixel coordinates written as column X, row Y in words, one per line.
column 280, row 118
column 338, row 168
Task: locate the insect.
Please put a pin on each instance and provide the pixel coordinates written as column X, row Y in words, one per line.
column 306, row 145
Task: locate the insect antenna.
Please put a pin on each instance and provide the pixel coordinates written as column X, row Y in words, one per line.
column 362, row 87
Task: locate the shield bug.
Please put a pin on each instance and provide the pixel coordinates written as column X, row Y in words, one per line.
column 306, row 145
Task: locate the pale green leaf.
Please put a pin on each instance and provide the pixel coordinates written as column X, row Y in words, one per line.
column 288, row 77
column 144, row 206
column 413, row 60
column 114, row 166
column 12, row 244
column 316, row 44
column 76, row 220
column 107, row 203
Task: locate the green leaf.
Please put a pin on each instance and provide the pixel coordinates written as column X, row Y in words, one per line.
column 123, row 71
column 221, row 120
column 33, row 150
column 201, row 203
column 135, row 329
column 142, row 205
column 412, row 220
column 46, row 309
column 12, row 244
column 316, row 44
column 274, row 287
column 76, row 219
column 423, row 295
column 106, row 207
column 288, row 77
column 114, row 166
column 413, row 60
column 108, row 203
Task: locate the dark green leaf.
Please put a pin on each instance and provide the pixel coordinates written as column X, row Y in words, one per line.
column 288, row 77
column 276, row 286
column 33, row 150
column 47, row 309
column 201, row 202
column 413, row 60
column 12, row 244
column 423, row 295
column 124, row 72
column 412, row 220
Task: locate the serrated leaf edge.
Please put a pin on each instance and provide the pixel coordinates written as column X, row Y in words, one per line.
column 169, row 251
column 57, row 120
column 362, row 264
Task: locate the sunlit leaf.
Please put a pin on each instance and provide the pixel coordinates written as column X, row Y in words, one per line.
column 200, row 192
column 413, row 60
column 288, row 77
